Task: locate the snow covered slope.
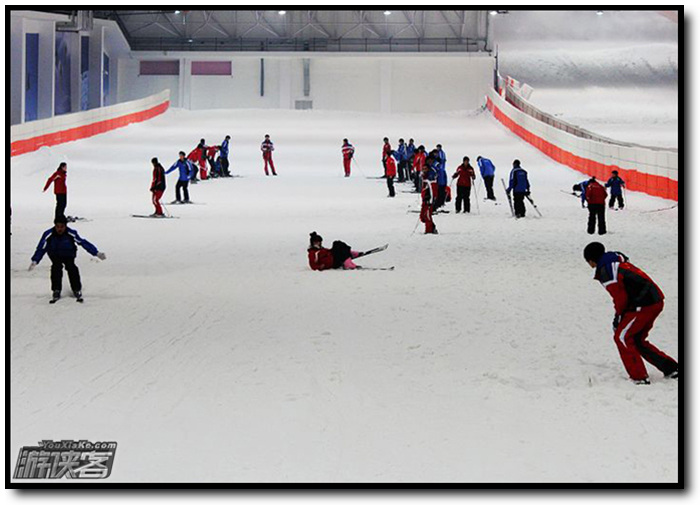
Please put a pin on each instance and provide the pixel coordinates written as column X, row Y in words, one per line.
column 210, row 352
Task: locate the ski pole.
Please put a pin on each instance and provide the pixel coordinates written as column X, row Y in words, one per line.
column 416, row 226
column 359, row 167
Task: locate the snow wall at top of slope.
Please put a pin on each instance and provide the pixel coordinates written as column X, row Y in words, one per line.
column 653, row 171
column 30, row 136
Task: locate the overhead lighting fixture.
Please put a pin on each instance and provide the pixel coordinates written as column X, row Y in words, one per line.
column 387, row 13
column 190, row 40
column 177, row 12
column 600, row 13
column 493, row 13
column 282, row 13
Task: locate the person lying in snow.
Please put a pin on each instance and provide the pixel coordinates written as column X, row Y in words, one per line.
column 340, row 255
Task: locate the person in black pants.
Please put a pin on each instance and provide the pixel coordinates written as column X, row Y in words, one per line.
column 60, row 243
column 595, row 196
column 520, row 186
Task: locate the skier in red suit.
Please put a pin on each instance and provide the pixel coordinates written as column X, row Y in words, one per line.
column 339, row 256
column 638, row 302
column 58, row 179
column 348, row 153
column 426, row 209
column 267, row 147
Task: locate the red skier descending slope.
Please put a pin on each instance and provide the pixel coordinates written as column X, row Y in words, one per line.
column 58, row 179
column 638, row 302
column 348, row 153
column 267, row 147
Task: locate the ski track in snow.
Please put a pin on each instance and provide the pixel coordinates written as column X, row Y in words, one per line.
column 210, row 352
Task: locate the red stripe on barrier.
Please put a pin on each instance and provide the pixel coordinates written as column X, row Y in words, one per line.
column 650, row 184
column 89, row 130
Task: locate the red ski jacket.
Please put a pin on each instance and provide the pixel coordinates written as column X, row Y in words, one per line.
column 211, row 151
column 418, row 161
column 320, row 259
column 386, row 151
column 58, row 178
column 158, row 181
column 465, row 175
column 267, row 147
column 348, row 151
column 595, row 193
column 628, row 285
column 390, row 167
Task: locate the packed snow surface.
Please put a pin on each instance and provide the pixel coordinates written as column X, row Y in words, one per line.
column 209, row 350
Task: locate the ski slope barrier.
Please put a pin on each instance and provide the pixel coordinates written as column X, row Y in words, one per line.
column 28, row 137
column 650, row 170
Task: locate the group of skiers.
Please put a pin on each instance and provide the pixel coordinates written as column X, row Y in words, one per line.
column 593, row 195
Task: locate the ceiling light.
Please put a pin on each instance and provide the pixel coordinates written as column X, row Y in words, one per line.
column 387, row 13
column 190, row 40
column 282, row 13
column 493, row 13
column 600, row 13
column 177, row 12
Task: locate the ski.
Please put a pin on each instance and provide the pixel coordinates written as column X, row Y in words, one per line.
column 388, row 269
column 75, row 219
column 79, row 300
column 154, row 217
column 533, row 204
column 54, row 300
column 659, row 210
column 175, row 202
column 375, row 250
column 510, row 201
column 571, row 193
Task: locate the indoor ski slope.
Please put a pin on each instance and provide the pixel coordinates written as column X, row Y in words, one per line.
column 210, row 352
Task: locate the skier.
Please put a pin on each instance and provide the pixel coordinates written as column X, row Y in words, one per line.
column 464, row 175
column 60, row 244
column 215, row 168
column 418, row 164
column 615, row 183
column 223, row 156
column 638, row 302
column 427, row 202
column 348, row 152
column 390, row 173
column 411, row 152
column 267, row 147
column 595, row 197
column 402, row 157
column 386, row 152
column 520, row 186
column 58, row 179
column 439, row 165
column 581, row 188
column 199, row 158
column 157, row 187
column 185, row 167
column 340, row 255
column 488, row 172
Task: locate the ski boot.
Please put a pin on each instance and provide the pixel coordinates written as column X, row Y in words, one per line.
column 642, row 382
column 78, row 296
column 672, row 375
column 55, row 296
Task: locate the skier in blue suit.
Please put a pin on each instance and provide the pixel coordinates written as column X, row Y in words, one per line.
column 186, row 169
column 520, row 186
column 488, row 172
column 60, row 243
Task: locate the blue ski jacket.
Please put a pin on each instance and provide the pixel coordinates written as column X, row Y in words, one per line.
column 486, row 167
column 223, row 150
column 518, row 181
column 442, row 159
column 410, row 150
column 615, row 184
column 401, row 154
column 61, row 247
column 186, row 169
column 584, row 185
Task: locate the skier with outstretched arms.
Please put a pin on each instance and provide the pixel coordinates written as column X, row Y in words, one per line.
column 60, row 243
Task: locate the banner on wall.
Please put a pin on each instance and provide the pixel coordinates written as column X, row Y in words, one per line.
column 84, row 73
column 62, row 92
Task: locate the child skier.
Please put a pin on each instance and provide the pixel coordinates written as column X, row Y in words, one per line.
column 427, row 202
column 418, row 164
column 638, row 302
column 58, row 179
column 157, row 187
column 464, row 175
column 59, row 243
column 386, row 152
column 615, row 183
column 340, row 255
column 267, row 147
column 348, row 152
